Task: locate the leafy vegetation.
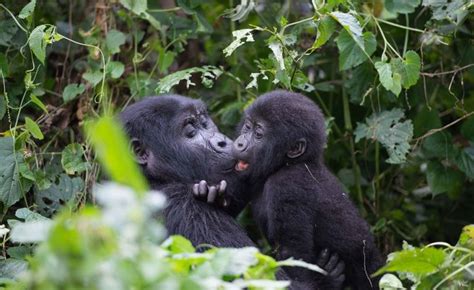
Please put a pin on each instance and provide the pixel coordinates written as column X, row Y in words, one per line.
column 394, row 78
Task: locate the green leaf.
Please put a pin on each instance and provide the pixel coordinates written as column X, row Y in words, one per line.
column 10, row 188
column 443, row 179
column 3, row 107
column 178, row 244
column 386, row 128
column 114, row 40
column 401, row 6
column 361, row 82
column 113, row 151
column 350, row 53
column 240, row 37
column 72, row 159
column 326, row 27
column 27, row 10
column 136, row 6
column 425, row 120
column 71, row 91
column 409, row 68
column 438, row 145
column 115, row 69
column 465, row 161
column 37, row 42
column 452, row 10
column 93, row 77
column 390, row 81
column 276, row 48
column 209, row 74
column 27, row 215
column 55, row 197
column 416, row 261
column 12, row 268
column 33, row 128
column 467, row 129
column 35, row 100
column 350, row 25
column 3, row 65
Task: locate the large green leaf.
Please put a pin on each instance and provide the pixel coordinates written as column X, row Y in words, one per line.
column 351, row 53
column 408, row 68
column 72, row 159
column 71, row 91
column 326, row 27
column 386, row 128
column 10, row 187
column 443, row 179
column 390, row 80
column 401, row 6
column 439, row 145
column 114, row 40
column 33, row 128
column 453, row 10
column 27, row 10
column 465, row 161
column 37, row 42
column 50, row 200
column 137, row 6
column 350, row 24
column 416, row 261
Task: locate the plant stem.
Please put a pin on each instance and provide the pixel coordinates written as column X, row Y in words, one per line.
column 233, row 59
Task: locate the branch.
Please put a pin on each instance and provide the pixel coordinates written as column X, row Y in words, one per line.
column 447, row 72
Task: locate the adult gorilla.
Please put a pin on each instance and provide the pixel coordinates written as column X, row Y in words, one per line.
column 177, row 144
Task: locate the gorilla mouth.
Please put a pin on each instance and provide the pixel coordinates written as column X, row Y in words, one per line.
column 241, row 165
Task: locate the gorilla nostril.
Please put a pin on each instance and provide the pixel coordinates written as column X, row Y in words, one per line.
column 240, row 145
column 221, row 144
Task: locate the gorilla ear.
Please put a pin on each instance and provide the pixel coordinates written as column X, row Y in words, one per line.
column 298, row 149
column 141, row 153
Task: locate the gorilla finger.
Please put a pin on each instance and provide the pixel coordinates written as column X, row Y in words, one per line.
column 196, row 189
column 333, row 261
column 225, row 202
column 222, row 187
column 339, row 269
column 212, row 194
column 323, row 258
column 202, row 188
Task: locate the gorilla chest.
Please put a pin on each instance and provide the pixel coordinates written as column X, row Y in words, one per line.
column 262, row 211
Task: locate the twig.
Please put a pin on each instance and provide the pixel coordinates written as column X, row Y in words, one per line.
column 447, row 72
column 434, row 131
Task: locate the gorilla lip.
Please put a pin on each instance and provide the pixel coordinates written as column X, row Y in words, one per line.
column 241, row 165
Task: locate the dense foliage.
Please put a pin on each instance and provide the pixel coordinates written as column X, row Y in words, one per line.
column 395, row 80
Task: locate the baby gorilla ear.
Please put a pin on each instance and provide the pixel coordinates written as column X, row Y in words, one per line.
column 141, row 153
column 297, row 149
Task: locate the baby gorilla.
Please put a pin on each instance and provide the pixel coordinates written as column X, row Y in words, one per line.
column 301, row 207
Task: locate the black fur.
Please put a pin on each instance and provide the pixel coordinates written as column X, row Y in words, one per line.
column 300, row 205
column 173, row 160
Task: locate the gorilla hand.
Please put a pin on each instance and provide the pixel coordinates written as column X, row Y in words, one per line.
column 212, row 194
column 335, row 269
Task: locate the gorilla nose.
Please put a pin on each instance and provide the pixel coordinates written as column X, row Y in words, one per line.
column 241, row 144
column 221, row 143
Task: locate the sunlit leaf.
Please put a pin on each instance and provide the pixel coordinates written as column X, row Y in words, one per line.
column 71, row 91
column 27, row 9
column 208, row 75
column 114, row 40
column 350, row 53
column 391, row 81
column 137, row 6
column 326, row 27
column 417, row 261
column 401, row 6
column 10, row 187
column 408, row 68
column 240, row 37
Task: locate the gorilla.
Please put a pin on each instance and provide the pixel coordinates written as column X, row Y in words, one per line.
column 296, row 201
column 177, row 145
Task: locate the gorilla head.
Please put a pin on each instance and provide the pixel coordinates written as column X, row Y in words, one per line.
column 279, row 128
column 175, row 140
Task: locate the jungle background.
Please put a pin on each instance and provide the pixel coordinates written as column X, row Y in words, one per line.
column 395, row 80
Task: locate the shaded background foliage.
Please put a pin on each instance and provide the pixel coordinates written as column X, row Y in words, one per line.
column 394, row 79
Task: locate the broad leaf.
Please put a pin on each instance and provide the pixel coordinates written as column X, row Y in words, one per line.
column 417, row 261
column 390, row 81
column 72, row 159
column 386, row 128
column 27, row 10
column 443, row 179
column 71, row 91
column 350, row 24
column 12, row 268
column 326, row 27
column 465, row 161
column 114, row 40
column 408, row 68
column 276, row 48
column 401, row 6
column 453, row 10
column 241, row 36
column 10, row 187
column 136, row 6
column 115, row 69
column 35, row 100
column 50, row 200
column 350, row 53
column 37, row 42
column 93, row 77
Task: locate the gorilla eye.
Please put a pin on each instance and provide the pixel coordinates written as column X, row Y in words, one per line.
column 258, row 134
column 189, row 130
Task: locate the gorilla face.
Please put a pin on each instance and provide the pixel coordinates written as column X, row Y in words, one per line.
column 174, row 139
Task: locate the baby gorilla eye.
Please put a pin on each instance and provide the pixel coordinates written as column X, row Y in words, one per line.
column 258, row 133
